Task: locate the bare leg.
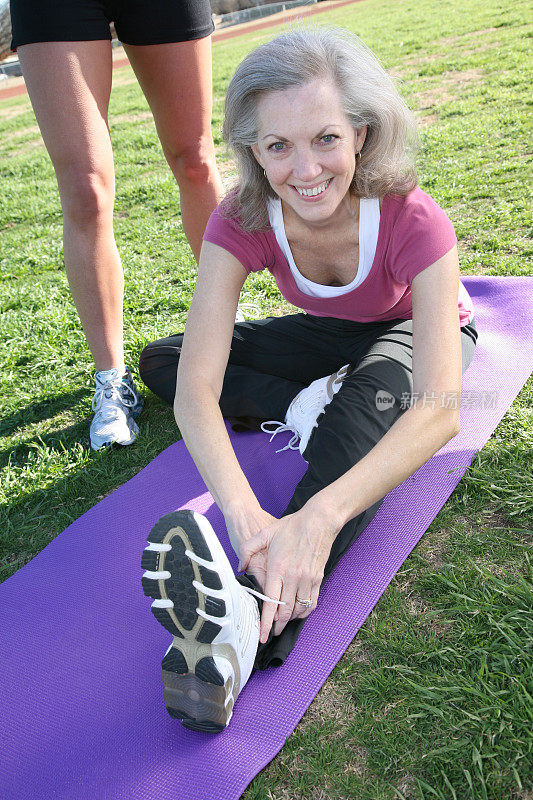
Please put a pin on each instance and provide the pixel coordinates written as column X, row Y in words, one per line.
column 69, row 84
column 176, row 79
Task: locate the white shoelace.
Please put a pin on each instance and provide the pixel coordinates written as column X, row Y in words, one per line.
column 280, row 427
column 208, row 592
column 109, row 393
column 249, row 309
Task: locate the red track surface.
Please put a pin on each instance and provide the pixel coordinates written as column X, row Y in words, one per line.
column 226, row 33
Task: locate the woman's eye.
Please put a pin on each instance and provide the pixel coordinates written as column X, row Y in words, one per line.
column 329, row 138
column 277, row 147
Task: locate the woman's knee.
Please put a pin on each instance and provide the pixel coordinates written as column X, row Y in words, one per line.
column 158, row 366
column 381, row 383
column 87, row 197
column 192, row 163
column 370, row 400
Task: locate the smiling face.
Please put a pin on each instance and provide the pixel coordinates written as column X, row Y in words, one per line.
column 307, row 147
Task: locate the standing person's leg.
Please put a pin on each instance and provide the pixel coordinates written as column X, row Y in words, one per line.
column 176, row 79
column 69, row 83
column 352, row 424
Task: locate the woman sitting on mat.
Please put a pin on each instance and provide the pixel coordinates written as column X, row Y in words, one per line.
column 327, row 201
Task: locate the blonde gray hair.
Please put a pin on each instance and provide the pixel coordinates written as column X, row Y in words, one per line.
column 368, row 95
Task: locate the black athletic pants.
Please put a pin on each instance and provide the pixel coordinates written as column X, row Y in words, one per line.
column 270, row 361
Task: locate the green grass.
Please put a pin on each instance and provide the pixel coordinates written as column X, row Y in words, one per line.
column 431, row 699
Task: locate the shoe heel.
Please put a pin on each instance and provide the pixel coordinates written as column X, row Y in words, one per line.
column 202, row 699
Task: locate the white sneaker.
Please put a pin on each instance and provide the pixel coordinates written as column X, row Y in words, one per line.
column 214, row 620
column 116, row 402
column 303, row 413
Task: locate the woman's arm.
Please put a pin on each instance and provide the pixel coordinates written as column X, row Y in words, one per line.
column 422, row 429
column 201, row 369
column 298, row 546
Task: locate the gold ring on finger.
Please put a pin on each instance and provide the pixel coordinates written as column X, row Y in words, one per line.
column 305, row 603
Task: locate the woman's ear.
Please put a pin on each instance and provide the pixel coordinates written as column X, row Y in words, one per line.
column 257, row 154
column 360, row 136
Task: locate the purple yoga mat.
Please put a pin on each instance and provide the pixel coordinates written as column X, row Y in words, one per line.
column 82, row 713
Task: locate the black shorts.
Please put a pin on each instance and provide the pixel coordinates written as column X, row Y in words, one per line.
column 137, row 22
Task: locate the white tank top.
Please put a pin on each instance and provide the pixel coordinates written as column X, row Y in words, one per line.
column 369, row 215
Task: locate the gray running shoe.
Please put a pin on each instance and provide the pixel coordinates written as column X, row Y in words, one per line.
column 116, row 404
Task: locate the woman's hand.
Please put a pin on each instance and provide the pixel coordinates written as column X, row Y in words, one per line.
column 297, row 548
column 243, row 523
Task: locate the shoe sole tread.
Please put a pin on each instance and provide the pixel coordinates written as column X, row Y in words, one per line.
column 194, row 689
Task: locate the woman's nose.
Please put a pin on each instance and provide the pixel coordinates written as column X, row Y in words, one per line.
column 306, row 167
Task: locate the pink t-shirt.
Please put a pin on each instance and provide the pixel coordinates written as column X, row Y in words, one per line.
column 414, row 232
